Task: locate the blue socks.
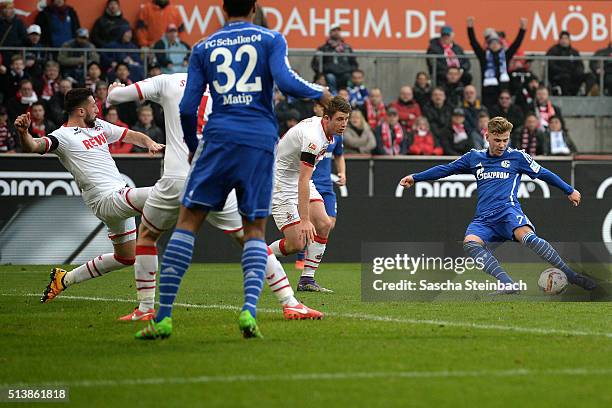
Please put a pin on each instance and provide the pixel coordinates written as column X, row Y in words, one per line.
column 300, row 256
column 175, row 262
column 254, row 260
column 547, row 252
column 491, row 265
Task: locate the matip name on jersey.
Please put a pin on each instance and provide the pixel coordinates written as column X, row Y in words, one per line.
column 240, row 99
column 224, row 42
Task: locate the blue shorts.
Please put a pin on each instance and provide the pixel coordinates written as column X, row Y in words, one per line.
column 329, row 200
column 220, row 167
column 500, row 226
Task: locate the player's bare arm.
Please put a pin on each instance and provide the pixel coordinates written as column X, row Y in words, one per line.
column 142, row 140
column 307, row 229
column 341, row 168
column 28, row 143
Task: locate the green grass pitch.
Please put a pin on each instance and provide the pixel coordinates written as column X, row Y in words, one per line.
column 493, row 354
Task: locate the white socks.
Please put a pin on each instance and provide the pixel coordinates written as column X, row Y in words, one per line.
column 145, row 270
column 314, row 254
column 95, row 268
column 278, row 282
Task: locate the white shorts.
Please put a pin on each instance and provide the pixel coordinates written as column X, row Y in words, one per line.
column 117, row 211
column 285, row 207
column 160, row 212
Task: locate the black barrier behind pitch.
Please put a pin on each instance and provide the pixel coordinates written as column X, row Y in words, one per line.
column 373, row 210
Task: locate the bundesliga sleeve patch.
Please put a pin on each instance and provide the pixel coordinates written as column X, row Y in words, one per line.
column 312, row 148
column 534, row 166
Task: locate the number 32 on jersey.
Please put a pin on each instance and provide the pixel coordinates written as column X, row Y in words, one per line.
column 225, row 67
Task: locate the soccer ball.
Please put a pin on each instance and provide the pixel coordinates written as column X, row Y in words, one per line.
column 552, row 281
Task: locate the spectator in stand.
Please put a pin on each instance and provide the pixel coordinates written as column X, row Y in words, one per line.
column 40, row 126
column 422, row 89
column 344, row 93
column 374, row 108
column 358, row 136
column 260, row 18
column 526, row 95
column 557, row 140
column 8, row 138
column 603, row 68
column 22, row 101
column 110, row 26
column 101, row 93
column 146, row 125
column 479, row 136
column 357, row 89
column 153, row 20
column 494, row 61
column 391, row 137
column 421, row 141
column 438, row 112
column 453, row 87
column 293, row 118
column 408, row 109
column 132, row 59
column 455, row 139
column 94, row 74
column 543, row 107
column 34, row 57
column 12, row 30
column 506, row 109
column 472, row 108
column 529, row 137
column 47, row 85
column 56, row 103
column 73, row 62
column 11, row 80
column 337, row 68
column 119, row 146
column 128, row 110
column 176, row 59
column 566, row 76
column 59, row 23
column 453, row 57
column 154, row 69
column 281, row 110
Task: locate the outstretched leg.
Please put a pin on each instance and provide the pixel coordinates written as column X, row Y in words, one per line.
column 528, row 238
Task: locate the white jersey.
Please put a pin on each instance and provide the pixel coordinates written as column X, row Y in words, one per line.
column 168, row 90
column 84, row 153
column 307, row 137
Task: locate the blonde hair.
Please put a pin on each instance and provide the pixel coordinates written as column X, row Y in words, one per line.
column 499, row 126
column 419, row 120
column 363, row 122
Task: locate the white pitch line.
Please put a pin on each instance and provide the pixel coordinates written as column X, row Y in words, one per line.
column 358, row 316
column 320, row 376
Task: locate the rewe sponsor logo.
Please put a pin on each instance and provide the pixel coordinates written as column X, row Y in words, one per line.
column 41, row 183
column 464, row 186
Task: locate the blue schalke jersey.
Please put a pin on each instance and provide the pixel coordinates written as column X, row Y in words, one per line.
column 322, row 174
column 240, row 63
column 498, row 177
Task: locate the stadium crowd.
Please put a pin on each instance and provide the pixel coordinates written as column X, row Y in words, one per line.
column 421, row 119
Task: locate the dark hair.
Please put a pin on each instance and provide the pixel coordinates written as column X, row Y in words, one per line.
column 438, row 88
column 92, row 63
column 337, row 104
column 238, row 8
column 16, row 57
column 122, row 64
column 530, row 113
column 319, row 75
column 38, row 103
column 76, row 98
column 483, row 114
column 449, row 68
column 505, row 91
column 25, row 81
column 358, row 70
